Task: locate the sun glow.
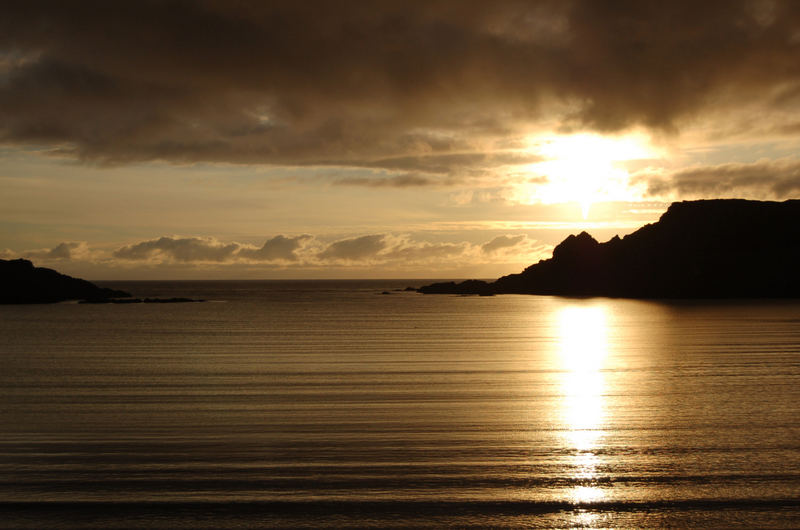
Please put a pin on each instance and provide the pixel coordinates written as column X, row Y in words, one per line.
column 586, row 168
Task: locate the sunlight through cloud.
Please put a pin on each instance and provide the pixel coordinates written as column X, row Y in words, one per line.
column 587, row 168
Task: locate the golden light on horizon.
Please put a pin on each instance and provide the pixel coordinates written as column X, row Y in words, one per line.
column 587, row 168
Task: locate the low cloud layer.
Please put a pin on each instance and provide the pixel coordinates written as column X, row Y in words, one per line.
column 179, row 249
column 421, row 88
column 355, row 249
column 208, row 249
column 501, row 242
column 67, row 250
column 398, row 181
column 766, row 179
column 279, row 248
column 305, row 251
column 415, row 253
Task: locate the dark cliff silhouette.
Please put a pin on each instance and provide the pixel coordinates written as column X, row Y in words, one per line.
column 698, row 249
column 22, row 283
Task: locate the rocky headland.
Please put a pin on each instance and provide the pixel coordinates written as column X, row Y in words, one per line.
column 697, row 249
column 22, row 283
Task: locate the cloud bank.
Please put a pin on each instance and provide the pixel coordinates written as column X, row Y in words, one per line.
column 355, row 249
column 765, row 179
column 66, row 250
column 501, row 242
column 209, row 249
column 304, row 251
column 425, row 88
column 179, row 249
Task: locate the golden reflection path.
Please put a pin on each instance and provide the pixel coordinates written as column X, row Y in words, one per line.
column 582, row 351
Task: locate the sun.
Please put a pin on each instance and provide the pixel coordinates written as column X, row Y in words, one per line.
column 586, row 168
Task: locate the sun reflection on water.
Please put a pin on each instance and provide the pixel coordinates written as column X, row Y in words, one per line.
column 583, row 347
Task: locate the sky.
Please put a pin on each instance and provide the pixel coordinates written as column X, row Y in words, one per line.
column 382, row 139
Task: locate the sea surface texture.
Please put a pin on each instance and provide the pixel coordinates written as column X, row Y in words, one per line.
column 313, row 404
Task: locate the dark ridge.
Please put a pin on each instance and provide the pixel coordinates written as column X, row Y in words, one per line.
column 22, row 283
column 698, row 249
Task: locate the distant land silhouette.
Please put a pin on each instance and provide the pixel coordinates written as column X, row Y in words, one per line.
column 173, row 300
column 22, row 283
column 698, row 249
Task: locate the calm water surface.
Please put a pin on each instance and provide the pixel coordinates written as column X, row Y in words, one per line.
column 328, row 404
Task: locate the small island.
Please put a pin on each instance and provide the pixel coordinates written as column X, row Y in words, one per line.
column 173, row 300
column 698, row 249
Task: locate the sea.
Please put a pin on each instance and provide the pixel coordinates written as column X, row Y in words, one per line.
column 313, row 404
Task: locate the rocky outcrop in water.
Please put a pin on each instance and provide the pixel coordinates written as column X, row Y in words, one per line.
column 174, row 300
column 22, row 283
column 697, row 249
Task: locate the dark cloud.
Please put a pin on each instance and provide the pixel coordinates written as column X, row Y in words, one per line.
column 279, row 248
column 501, row 242
column 399, row 181
column 438, row 170
column 767, row 179
column 447, row 164
column 386, row 84
column 358, row 248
